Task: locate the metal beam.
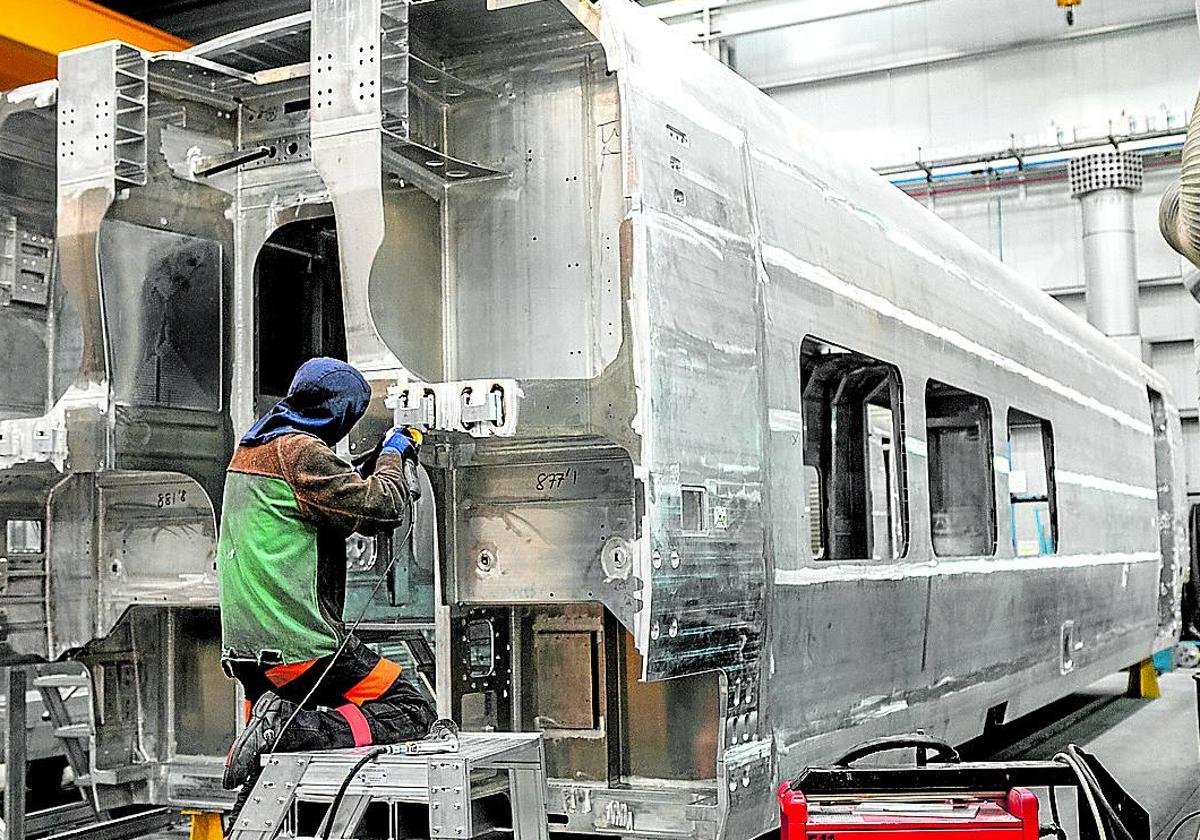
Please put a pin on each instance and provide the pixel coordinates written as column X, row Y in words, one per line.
column 33, row 34
column 725, row 16
column 1024, row 153
column 16, row 754
column 966, row 55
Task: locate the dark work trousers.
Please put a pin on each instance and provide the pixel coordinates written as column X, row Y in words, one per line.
column 363, row 700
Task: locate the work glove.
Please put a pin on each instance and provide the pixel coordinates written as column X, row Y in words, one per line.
column 404, row 441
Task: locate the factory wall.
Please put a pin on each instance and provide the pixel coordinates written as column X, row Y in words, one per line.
column 976, row 76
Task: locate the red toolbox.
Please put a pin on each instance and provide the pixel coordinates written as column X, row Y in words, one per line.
column 882, row 817
column 942, row 797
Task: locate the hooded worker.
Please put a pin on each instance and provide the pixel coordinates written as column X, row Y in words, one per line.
column 290, row 503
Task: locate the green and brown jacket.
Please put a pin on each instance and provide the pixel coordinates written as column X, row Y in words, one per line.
column 289, row 505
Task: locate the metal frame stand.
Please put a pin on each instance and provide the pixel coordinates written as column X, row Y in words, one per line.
column 443, row 781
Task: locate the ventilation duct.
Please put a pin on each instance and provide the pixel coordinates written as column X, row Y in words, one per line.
column 1179, row 212
column 1105, row 184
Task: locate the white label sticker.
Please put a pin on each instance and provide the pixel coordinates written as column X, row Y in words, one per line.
column 720, row 517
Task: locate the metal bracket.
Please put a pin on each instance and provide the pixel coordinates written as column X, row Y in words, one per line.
column 8, row 257
column 286, row 149
column 478, row 407
column 272, row 796
column 35, row 255
column 415, row 408
column 449, row 800
column 26, row 261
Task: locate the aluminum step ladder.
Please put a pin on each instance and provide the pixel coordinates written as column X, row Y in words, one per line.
column 446, row 781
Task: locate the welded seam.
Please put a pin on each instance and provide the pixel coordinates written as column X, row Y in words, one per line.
column 1094, row 482
column 939, row 261
column 946, row 568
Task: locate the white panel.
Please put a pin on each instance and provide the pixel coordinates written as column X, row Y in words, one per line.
column 1075, row 302
column 1191, row 451
column 1155, row 258
column 974, row 215
column 1043, row 235
column 1176, row 361
column 922, row 32
column 1168, row 313
column 1073, row 89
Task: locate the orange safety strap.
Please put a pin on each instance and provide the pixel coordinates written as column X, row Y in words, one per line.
column 281, row 675
column 375, row 684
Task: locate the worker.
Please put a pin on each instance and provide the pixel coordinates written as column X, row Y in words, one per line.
column 290, row 502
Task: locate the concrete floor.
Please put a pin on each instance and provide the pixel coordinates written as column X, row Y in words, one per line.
column 1150, row 746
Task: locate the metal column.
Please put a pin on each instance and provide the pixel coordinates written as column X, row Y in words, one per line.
column 14, row 756
column 1105, row 183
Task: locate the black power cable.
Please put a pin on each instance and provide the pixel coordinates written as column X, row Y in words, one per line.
column 1178, row 825
column 331, row 815
column 1114, row 819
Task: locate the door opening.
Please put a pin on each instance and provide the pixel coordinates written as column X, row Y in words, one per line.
column 299, row 304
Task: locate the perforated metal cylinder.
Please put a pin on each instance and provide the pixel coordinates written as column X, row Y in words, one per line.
column 1105, row 184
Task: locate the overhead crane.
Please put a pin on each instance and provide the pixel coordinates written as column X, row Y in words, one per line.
column 33, row 34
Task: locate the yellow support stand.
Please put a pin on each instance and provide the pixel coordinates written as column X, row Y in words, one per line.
column 1143, row 681
column 206, row 825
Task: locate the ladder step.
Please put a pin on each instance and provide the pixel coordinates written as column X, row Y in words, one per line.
column 61, row 681
column 74, row 730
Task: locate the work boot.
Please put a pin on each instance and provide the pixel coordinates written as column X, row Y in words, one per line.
column 267, row 718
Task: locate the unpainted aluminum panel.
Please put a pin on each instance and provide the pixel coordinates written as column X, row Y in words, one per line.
column 836, row 253
column 548, row 526
column 162, row 303
column 695, row 268
column 533, row 258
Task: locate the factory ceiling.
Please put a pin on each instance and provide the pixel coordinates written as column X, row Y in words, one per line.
column 199, row 20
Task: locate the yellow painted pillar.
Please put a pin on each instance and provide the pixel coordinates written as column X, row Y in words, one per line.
column 1143, row 681
column 206, row 825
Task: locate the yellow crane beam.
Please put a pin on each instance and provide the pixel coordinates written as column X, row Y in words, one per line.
column 32, row 34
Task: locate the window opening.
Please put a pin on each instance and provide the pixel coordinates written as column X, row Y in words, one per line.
column 162, row 304
column 692, row 509
column 23, row 536
column 962, row 486
column 481, row 648
column 854, row 452
column 1033, row 506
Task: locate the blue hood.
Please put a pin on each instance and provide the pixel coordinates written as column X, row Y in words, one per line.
column 325, row 400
